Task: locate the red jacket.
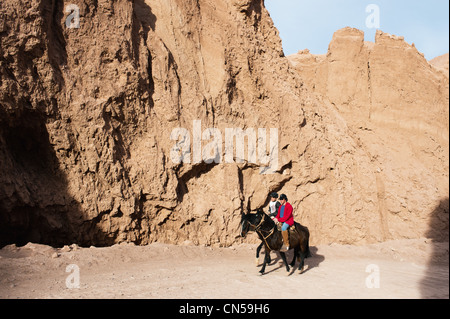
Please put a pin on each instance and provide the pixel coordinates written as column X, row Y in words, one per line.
column 288, row 217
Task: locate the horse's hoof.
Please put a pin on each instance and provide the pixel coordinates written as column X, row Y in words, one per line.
column 300, row 271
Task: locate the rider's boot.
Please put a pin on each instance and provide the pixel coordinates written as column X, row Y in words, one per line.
column 285, row 247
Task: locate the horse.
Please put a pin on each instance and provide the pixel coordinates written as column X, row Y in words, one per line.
column 272, row 239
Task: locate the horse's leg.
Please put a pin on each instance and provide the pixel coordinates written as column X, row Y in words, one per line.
column 283, row 256
column 267, row 252
column 304, row 251
column 263, row 268
column 302, row 261
column 258, row 251
column 295, row 256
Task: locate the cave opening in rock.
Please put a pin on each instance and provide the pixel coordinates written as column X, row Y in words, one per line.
column 33, row 192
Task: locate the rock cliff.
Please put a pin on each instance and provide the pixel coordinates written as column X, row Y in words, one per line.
column 88, row 108
column 396, row 104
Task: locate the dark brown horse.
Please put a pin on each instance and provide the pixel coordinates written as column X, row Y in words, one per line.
column 272, row 239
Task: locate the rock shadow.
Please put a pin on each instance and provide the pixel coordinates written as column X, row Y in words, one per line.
column 435, row 283
column 35, row 205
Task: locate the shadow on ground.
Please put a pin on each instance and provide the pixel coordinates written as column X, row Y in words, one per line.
column 310, row 263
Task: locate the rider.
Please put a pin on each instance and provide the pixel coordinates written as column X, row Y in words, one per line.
column 285, row 217
column 274, row 205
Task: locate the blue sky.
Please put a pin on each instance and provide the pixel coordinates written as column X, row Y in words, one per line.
column 310, row 24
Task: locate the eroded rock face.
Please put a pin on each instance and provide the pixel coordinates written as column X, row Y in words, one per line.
column 396, row 105
column 87, row 114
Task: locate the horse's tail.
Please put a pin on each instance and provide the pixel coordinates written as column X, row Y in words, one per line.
column 308, row 251
column 303, row 229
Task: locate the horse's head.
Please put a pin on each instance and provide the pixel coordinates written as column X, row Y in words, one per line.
column 249, row 222
column 245, row 225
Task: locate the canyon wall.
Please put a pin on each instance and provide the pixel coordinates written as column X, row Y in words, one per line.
column 396, row 104
column 87, row 116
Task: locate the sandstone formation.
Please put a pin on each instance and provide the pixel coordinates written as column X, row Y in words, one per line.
column 87, row 114
column 396, row 104
column 441, row 63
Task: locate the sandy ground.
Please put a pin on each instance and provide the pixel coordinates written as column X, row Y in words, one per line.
column 397, row 269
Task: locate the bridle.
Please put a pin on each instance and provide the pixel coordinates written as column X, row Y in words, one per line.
column 259, row 230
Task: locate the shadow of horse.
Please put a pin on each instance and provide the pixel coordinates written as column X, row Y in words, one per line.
column 312, row 262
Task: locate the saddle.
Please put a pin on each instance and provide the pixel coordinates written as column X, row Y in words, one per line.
column 291, row 229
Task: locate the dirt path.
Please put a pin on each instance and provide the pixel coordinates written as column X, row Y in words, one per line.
column 397, row 269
